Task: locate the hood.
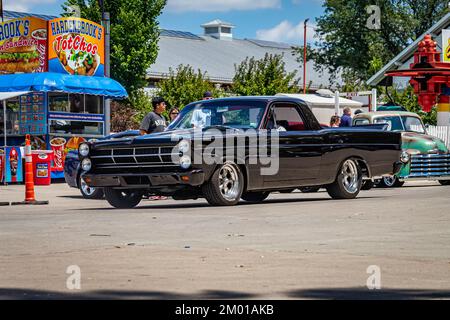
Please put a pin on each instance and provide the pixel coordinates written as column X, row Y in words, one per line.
column 423, row 143
column 165, row 138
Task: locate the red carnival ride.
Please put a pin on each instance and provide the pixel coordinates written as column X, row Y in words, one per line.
column 429, row 76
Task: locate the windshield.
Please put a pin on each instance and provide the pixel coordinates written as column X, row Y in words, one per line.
column 413, row 124
column 394, row 123
column 402, row 123
column 236, row 114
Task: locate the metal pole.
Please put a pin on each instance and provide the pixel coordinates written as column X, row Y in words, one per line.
column 374, row 99
column 304, row 58
column 107, row 104
column 4, row 137
column 336, row 103
column 4, row 123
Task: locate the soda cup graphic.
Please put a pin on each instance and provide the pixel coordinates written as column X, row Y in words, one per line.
column 57, row 145
column 13, row 164
column 40, row 36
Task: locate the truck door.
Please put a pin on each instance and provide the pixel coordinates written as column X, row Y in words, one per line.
column 300, row 146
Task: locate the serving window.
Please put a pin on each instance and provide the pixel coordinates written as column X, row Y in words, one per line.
column 75, row 103
column 70, row 127
column 12, row 117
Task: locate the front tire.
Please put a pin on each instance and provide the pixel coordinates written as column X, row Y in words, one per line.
column 123, row 199
column 348, row 182
column 255, row 196
column 444, row 182
column 391, row 182
column 90, row 193
column 226, row 185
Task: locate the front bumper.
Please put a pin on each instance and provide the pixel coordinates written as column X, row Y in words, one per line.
column 145, row 181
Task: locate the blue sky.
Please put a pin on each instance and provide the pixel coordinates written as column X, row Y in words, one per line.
column 276, row 20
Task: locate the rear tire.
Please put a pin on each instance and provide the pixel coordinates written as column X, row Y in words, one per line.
column 123, row 199
column 348, row 181
column 255, row 196
column 226, row 185
column 90, row 193
column 444, row 182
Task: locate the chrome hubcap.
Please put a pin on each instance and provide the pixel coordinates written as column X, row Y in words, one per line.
column 350, row 178
column 89, row 191
column 229, row 182
column 389, row 181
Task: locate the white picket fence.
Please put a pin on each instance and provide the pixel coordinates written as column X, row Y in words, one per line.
column 441, row 132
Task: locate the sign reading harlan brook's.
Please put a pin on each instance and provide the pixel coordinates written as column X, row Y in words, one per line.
column 23, row 45
column 76, row 46
column 446, row 45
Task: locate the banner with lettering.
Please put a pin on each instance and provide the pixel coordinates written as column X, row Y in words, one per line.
column 23, row 45
column 76, row 46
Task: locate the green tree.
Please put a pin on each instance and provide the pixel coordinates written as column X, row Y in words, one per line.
column 184, row 85
column 266, row 76
column 347, row 43
column 134, row 36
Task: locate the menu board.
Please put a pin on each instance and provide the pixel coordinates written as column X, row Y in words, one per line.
column 33, row 110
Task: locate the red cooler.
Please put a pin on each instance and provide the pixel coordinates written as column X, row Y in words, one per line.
column 42, row 166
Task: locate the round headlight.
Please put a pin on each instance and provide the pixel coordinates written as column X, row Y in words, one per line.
column 185, row 162
column 83, row 149
column 184, row 146
column 86, row 164
column 404, row 157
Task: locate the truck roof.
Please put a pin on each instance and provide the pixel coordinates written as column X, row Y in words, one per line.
column 374, row 114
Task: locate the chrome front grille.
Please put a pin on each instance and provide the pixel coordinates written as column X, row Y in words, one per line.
column 137, row 157
column 428, row 165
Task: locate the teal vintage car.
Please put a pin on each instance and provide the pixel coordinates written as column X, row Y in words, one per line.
column 430, row 157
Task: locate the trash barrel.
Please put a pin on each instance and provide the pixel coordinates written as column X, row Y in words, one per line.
column 42, row 166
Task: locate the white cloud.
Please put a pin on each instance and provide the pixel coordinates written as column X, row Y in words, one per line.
column 285, row 31
column 220, row 5
column 24, row 5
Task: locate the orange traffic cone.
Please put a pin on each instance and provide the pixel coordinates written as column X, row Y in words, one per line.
column 29, row 180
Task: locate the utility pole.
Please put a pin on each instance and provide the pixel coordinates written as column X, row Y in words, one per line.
column 107, row 105
column 304, row 58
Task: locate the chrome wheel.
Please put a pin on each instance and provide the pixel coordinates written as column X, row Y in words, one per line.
column 229, row 182
column 350, row 176
column 89, row 191
column 389, row 181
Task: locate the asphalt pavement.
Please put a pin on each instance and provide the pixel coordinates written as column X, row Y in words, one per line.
column 294, row 246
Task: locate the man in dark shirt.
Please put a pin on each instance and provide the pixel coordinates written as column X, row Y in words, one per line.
column 154, row 121
column 346, row 119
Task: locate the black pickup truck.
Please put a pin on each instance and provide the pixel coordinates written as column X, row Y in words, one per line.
column 240, row 148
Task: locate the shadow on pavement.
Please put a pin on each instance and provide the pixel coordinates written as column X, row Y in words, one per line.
column 158, row 204
column 31, row 294
column 366, row 294
column 73, row 197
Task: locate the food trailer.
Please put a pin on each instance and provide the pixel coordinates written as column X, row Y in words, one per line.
column 52, row 78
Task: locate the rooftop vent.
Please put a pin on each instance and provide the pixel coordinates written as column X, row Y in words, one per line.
column 218, row 29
